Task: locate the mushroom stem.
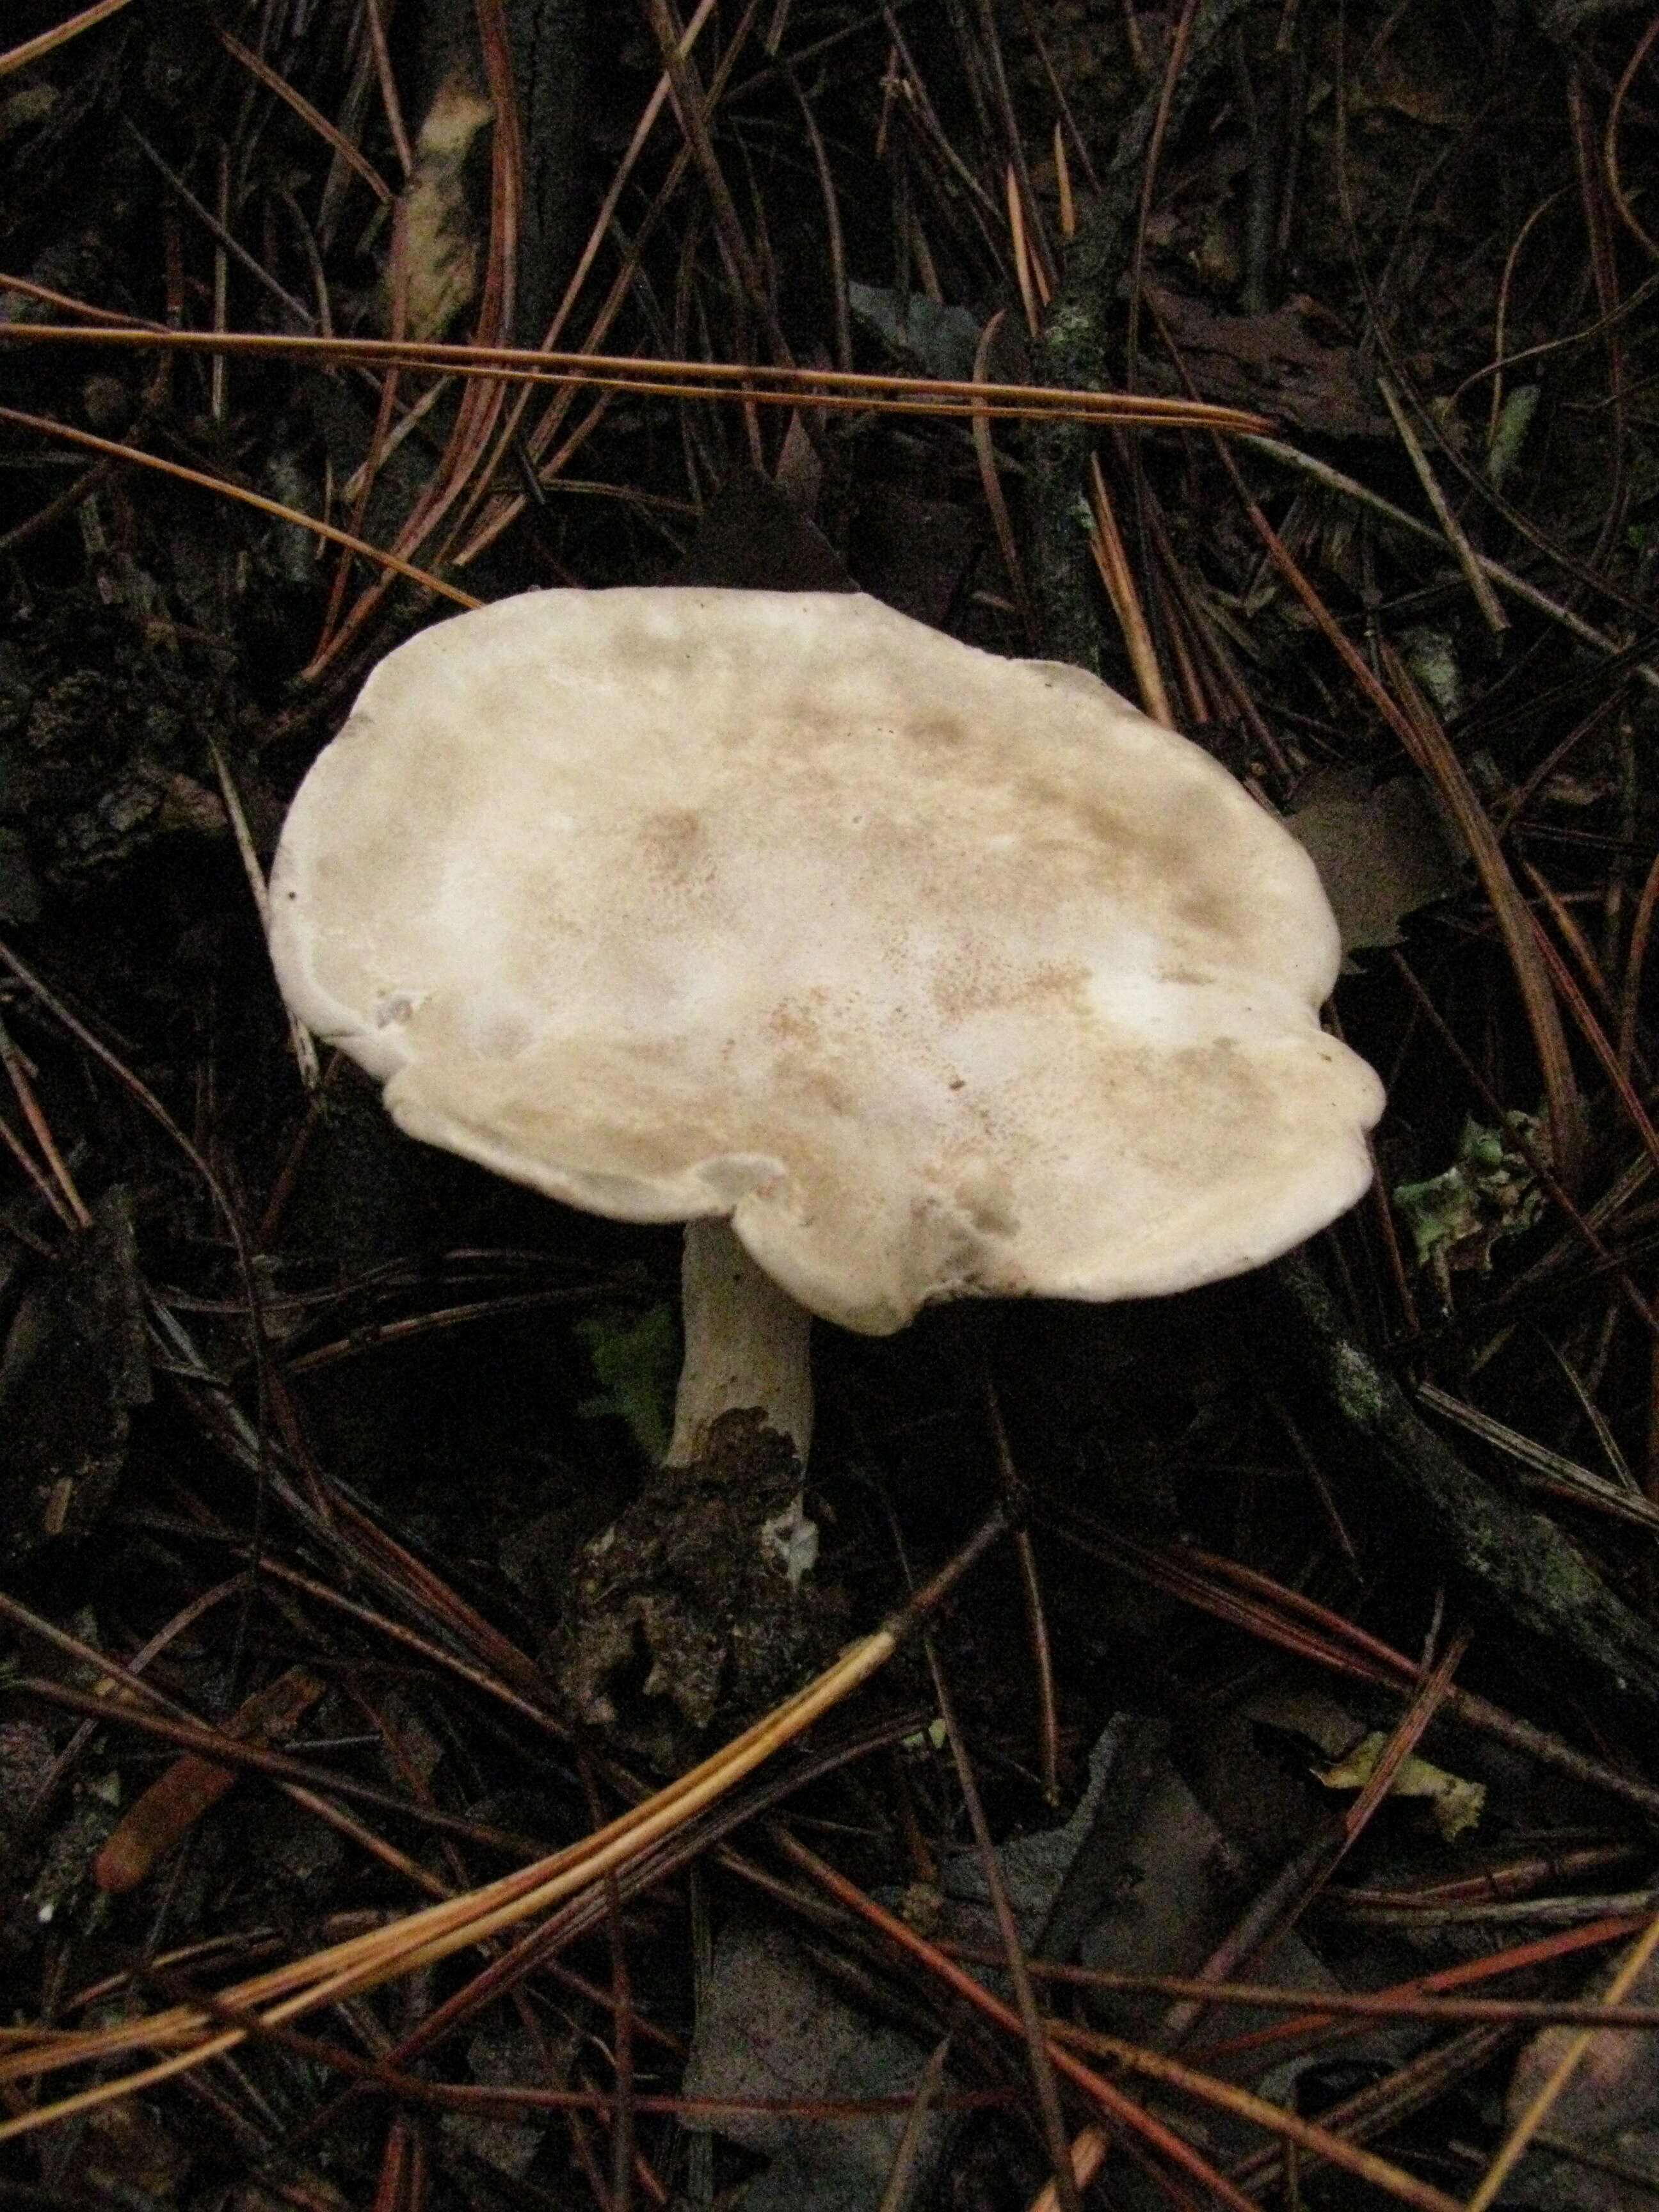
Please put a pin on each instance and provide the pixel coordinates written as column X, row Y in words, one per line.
column 746, row 1345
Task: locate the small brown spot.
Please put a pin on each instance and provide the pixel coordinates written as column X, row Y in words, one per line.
column 799, row 1020
column 926, row 730
column 671, row 842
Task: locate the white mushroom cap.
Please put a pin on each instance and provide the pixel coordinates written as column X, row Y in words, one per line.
column 941, row 974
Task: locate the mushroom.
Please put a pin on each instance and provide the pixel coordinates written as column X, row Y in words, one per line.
column 897, row 970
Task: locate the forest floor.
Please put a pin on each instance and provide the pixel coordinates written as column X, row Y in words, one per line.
column 1264, row 1809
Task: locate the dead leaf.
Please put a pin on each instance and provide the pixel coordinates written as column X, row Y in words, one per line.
column 1599, row 2148
column 912, row 553
column 500, row 2056
column 1274, row 362
column 437, row 249
column 1379, row 850
column 1166, row 1872
column 774, row 2024
column 173, row 1803
column 799, row 475
column 941, row 339
column 753, row 537
column 1456, row 1804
